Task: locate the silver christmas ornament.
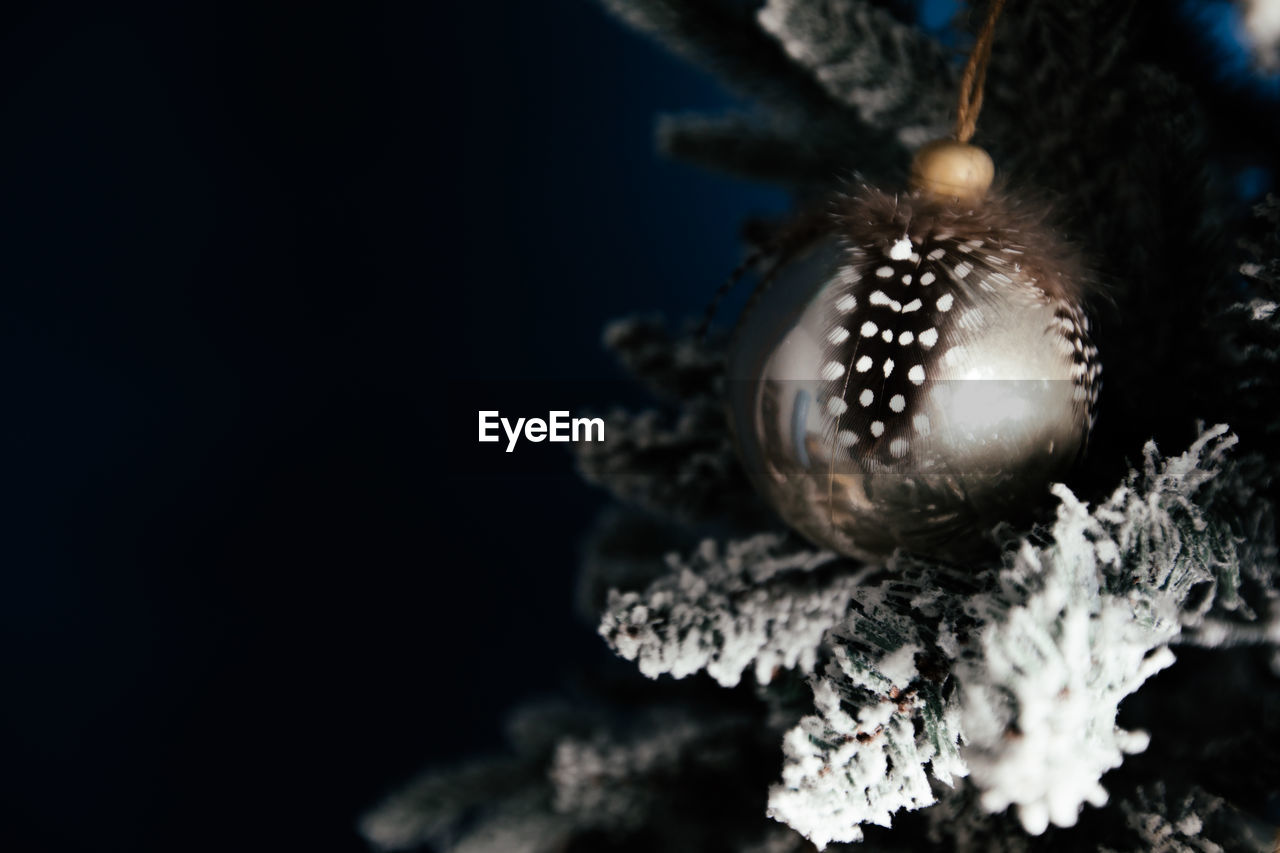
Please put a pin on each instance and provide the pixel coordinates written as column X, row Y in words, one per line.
column 920, row 373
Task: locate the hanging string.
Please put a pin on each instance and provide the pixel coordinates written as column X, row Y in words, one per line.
column 734, row 277
column 975, row 76
column 781, row 247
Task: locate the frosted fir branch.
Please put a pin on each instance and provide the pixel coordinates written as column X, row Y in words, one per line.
column 679, row 464
column 758, row 148
column 885, row 722
column 1162, row 542
column 672, row 367
column 1249, row 329
column 1043, row 651
column 433, row 808
column 891, row 74
column 842, row 772
column 1081, row 624
column 1201, row 532
column 1245, row 605
column 1040, row 703
column 1251, row 345
column 595, row 779
column 1160, row 831
column 723, row 37
column 584, row 780
column 1263, row 248
column 1222, row 634
column 759, row 603
column 683, row 467
column 486, row 802
column 1188, row 819
column 519, row 825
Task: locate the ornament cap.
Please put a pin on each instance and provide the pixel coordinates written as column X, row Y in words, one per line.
column 948, row 169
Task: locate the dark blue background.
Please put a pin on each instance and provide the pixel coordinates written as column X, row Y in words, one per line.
column 244, row 250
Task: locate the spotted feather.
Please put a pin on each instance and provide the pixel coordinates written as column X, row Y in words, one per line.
column 917, row 285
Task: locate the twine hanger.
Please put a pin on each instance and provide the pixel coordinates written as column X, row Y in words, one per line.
column 975, row 76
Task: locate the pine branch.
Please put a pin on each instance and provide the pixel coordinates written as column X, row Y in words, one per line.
column 1249, row 328
column 722, row 37
column 1043, row 651
column 1190, row 820
column 891, row 74
column 885, row 718
column 673, row 368
column 1081, row 624
column 761, row 603
column 684, row 469
column 434, row 808
column 726, row 38
column 809, row 156
column 663, row 778
column 679, row 466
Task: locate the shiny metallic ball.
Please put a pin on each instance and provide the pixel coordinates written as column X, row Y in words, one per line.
column 915, row 377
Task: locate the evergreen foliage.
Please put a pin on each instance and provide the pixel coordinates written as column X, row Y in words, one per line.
column 967, row 707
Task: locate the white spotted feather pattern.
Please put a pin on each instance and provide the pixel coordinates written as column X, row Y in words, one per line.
column 901, row 309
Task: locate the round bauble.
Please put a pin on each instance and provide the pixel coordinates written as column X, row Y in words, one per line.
column 917, row 375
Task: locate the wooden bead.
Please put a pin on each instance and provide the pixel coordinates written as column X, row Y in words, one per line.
column 950, row 169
